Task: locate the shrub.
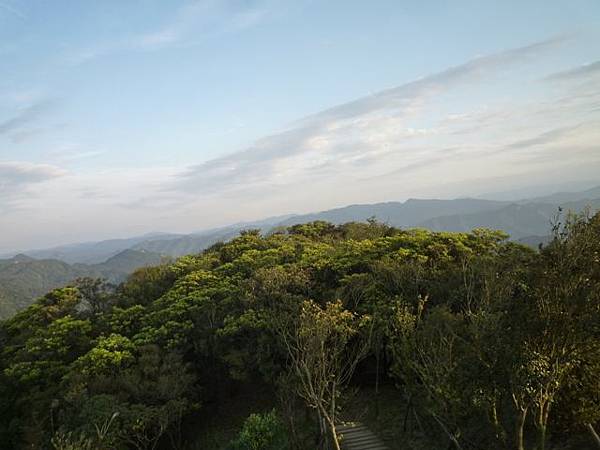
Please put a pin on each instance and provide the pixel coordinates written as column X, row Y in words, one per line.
column 261, row 432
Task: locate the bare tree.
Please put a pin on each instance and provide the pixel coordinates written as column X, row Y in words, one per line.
column 324, row 346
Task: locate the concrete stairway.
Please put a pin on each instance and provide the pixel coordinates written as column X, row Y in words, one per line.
column 356, row 436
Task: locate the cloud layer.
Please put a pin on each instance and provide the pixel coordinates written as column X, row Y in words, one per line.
column 405, row 130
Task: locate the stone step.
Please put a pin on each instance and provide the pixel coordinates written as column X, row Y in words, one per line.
column 356, row 436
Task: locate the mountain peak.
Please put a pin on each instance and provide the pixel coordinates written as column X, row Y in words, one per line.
column 20, row 258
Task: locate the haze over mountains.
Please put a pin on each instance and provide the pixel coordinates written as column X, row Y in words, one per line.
column 25, row 276
column 520, row 219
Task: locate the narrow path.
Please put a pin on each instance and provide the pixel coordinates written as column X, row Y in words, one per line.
column 356, row 436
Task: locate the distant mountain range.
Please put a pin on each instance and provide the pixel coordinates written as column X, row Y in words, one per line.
column 96, row 252
column 26, row 276
column 520, row 221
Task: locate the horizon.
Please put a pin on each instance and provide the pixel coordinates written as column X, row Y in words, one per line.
column 122, row 120
column 506, row 197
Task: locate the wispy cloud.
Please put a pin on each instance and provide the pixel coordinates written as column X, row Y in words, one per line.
column 73, row 152
column 14, row 174
column 21, row 136
column 478, row 68
column 377, row 129
column 202, row 17
column 25, row 117
column 20, row 127
column 191, row 24
column 577, row 73
column 547, row 137
column 16, row 177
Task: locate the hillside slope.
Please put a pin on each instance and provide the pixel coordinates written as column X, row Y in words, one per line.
column 518, row 220
column 95, row 252
column 23, row 279
column 398, row 214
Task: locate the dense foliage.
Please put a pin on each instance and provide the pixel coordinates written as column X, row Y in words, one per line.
column 492, row 344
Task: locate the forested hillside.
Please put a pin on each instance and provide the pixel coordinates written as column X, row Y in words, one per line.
column 23, row 279
column 526, row 221
column 96, row 252
column 437, row 340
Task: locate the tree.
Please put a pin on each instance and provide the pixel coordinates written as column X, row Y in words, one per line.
column 95, row 294
column 150, row 390
column 261, row 432
column 324, row 345
column 427, row 354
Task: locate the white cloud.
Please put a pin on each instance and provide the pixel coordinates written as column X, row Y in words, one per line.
column 392, row 130
column 469, row 129
column 191, row 24
column 14, row 174
column 17, row 178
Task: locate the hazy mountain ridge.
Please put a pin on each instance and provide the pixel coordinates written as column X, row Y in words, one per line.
column 521, row 218
column 95, row 252
column 401, row 214
column 520, row 221
column 22, row 278
column 566, row 197
column 184, row 245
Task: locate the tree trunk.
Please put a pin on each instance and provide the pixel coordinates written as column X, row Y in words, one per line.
column 321, row 437
column 520, row 426
column 377, row 384
column 325, row 439
column 542, row 437
column 336, row 441
column 499, row 430
column 594, row 434
column 408, row 408
column 334, row 436
column 453, row 441
column 543, row 424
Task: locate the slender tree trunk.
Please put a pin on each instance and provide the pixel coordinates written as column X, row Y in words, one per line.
column 321, row 437
column 421, row 429
column 377, row 384
column 520, row 427
column 543, row 424
column 408, row 408
column 289, row 407
column 325, row 429
column 453, row 441
column 593, row 433
column 334, row 436
column 336, row 441
column 499, row 430
column 333, row 397
column 542, row 437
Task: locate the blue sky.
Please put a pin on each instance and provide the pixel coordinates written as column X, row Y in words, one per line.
column 123, row 117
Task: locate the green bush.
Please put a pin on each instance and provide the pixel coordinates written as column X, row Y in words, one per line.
column 261, row 432
column 70, row 441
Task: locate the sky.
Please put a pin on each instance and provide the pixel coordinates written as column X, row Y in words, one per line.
column 130, row 116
